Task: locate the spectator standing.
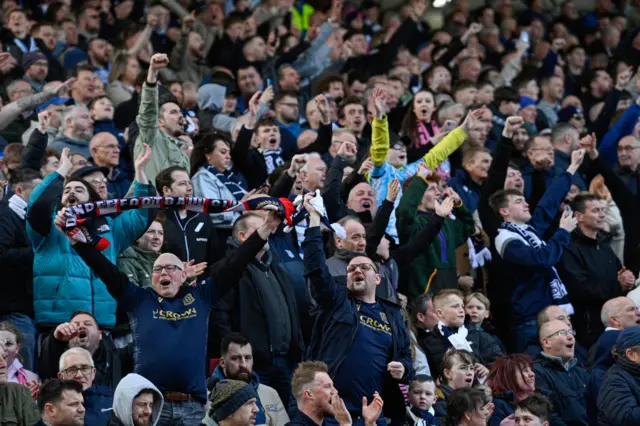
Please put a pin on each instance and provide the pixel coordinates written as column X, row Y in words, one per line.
column 378, row 330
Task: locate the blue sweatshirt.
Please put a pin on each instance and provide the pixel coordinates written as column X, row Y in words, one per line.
column 169, row 335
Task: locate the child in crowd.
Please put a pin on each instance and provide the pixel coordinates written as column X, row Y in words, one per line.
column 533, row 411
column 477, row 307
column 422, row 397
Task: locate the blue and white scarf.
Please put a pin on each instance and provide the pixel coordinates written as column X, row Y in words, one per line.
column 229, row 181
column 530, row 236
column 272, row 158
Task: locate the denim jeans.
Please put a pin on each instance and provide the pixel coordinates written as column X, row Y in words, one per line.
column 521, row 334
column 27, row 327
column 181, row 413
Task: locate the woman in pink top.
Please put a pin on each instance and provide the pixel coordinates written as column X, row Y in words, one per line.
column 11, row 340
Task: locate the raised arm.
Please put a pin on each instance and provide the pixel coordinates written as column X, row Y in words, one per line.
column 228, row 271
column 46, row 195
column 379, row 128
column 324, row 289
column 33, row 153
column 335, row 205
column 147, row 117
column 10, row 112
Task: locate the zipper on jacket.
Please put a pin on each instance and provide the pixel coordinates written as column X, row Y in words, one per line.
column 184, row 235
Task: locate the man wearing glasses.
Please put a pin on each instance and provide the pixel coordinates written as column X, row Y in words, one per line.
column 169, row 324
column 77, row 364
column 377, row 355
column 557, row 370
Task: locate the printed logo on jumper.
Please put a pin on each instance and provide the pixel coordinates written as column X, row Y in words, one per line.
column 174, row 316
column 374, row 324
column 271, row 408
column 160, row 299
column 188, row 299
column 383, row 316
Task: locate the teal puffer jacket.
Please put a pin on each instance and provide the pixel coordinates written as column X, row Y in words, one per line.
column 62, row 282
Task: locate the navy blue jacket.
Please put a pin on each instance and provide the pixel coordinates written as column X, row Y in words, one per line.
column 527, row 176
column 525, row 271
column 504, row 407
column 96, row 399
column 619, row 398
column 337, row 322
column 468, row 190
column 567, row 388
column 602, row 362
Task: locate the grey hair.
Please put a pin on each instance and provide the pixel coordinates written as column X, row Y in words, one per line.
column 314, row 156
column 445, row 110
column 69, row 112
column 11, row 87
column 75, row 351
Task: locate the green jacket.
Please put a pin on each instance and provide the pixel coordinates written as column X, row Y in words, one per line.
column 165, row 152
column 17, row 406
column 137, row 264
column 434, row 269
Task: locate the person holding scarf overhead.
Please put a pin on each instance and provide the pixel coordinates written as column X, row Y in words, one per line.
column 213, row 177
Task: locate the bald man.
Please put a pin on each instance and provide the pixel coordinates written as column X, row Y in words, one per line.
column 169, row 326
column 557, row 370
column 105, row 152
column 616, row 315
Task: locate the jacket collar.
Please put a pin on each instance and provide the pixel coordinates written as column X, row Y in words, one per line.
column 558, row 362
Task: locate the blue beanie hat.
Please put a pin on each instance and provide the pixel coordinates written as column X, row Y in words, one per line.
column 526, row 101
column 627, row 339
column 73, row 57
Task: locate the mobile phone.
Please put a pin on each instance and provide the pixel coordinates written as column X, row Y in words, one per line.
column 524, row 36
column 567, row 211
column 449, row 125
column 268, row 82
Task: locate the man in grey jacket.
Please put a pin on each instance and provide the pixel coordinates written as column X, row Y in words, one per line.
column 137, row 402
column 159, row 128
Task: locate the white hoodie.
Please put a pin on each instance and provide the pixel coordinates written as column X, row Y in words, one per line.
column 126, row 391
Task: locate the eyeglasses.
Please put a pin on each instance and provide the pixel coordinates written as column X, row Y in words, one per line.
column 578, row 117
column 398, row 146
column 73, row 371
column 110, row 146
column 169, row 268
column 562, row 333
column 289, row 104
column 98, row 181
column 627, row 148
column 364, row 267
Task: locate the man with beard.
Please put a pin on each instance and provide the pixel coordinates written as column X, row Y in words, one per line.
column 78, row 130
column 236, row 363
column 82, row 331
column 160, row 129
column 177, row 313
column 378, row 355
column 187, row 57
column 98, row 53
column 36, row 68
column 249, row 82
column 136, row 402
column 261, row 303
column 77, row 364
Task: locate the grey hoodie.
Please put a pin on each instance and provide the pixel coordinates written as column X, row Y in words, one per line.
column 130, row 386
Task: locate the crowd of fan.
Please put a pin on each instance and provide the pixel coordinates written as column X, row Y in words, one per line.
column 466, row 247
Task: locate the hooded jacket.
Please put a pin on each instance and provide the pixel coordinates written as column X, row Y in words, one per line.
column 128, row 388
column 589, row 270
